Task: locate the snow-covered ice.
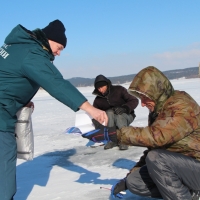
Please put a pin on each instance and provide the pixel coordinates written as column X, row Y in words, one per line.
column 64, row 166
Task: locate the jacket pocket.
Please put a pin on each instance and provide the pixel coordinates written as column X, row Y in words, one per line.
column 11, row 108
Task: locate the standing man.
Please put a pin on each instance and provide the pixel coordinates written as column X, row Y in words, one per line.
column 170, row 167
column 25, row 65
column 118, row 104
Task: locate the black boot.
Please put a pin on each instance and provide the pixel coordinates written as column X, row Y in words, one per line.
column 110, row 145
column 123, row 147
column 196, row 195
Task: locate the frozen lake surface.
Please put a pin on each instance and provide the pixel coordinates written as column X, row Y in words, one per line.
column 64, row 166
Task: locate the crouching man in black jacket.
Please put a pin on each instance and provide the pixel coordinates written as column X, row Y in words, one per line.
column 118, row 104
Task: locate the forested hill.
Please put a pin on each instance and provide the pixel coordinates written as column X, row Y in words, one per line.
column 191, row 72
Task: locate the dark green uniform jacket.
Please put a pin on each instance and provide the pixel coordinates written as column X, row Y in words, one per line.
column 25, row 65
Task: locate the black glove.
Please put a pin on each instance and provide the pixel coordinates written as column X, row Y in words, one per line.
column 119, row 110
column 118, row 187
column 101, row 133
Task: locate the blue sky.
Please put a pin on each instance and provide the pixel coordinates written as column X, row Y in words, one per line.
column 114, row 37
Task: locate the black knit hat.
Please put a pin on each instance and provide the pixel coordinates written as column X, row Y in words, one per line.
column 55, row 31
column 100, row 84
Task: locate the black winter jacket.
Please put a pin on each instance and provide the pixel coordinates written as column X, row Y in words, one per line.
column 116, row 96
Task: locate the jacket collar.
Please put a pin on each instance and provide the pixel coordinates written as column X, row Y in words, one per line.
column 41, row 37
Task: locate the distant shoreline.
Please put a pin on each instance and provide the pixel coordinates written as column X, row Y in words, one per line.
column 186, row 73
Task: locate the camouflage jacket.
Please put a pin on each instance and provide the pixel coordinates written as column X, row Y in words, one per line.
column 177, row 124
